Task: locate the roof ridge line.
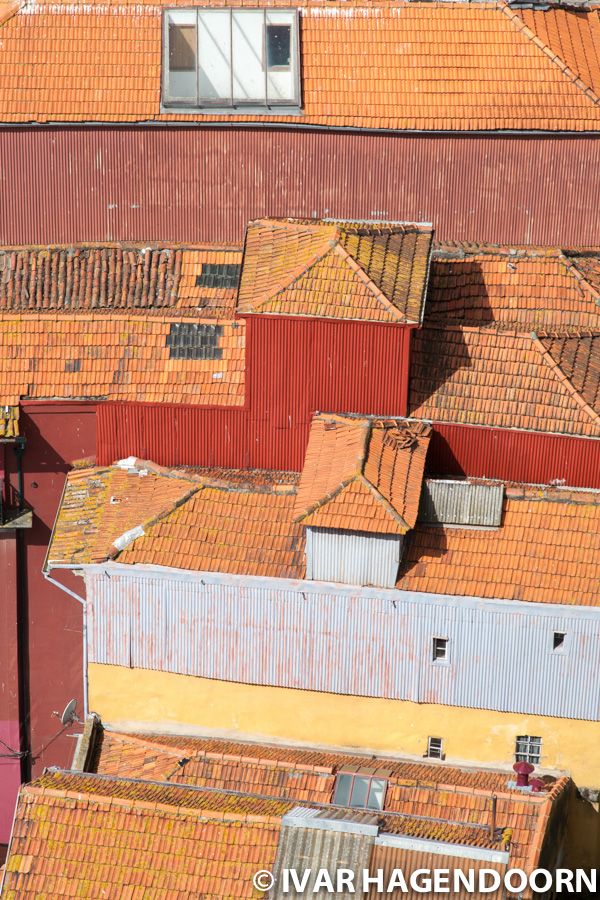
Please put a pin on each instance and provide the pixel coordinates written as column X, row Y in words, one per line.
column 124, row 737
column 149, row 523
column 569, row 263
column 564, row 380
column 299, row 272
column 362, row 276
column 150, row 805
column 385, row 503
column 554, row 58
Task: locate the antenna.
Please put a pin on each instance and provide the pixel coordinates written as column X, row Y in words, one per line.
column 69, row 715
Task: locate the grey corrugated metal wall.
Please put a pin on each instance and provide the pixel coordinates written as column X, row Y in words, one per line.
column 356, row 641
column 352, row 557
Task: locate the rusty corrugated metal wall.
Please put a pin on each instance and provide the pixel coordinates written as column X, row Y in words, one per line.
column 199, row 184
column 410, row 861
column 294, row 367
column 511, row 455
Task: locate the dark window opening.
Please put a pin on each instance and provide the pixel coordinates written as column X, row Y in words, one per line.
column 219, row 275
column 190, row 341
column 440, row 649
column 362, row 791
column 558, row 640
column 528, row 749
column 279, row 46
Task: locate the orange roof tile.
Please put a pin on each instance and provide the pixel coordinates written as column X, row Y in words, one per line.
column 514, row 288
column 417, row 793
column 546, row 551
column 94, row 837
column 341, row 270
column 99, row 506
column 486, row 376
column 362, row 474
column 121, row 357
column 204, row 524
column 462, row 66
column 114, row 277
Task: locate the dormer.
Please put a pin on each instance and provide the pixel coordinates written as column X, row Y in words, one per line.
column 359, row 495
column 359, row 271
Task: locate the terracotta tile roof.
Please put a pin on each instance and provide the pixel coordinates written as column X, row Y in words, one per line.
column 114, row 277
column 94, row 837
column 101, row 505
column 486, row 376
column 164, row 358
column 203, row 524
column 573, row 35
column 362, row 474
column 546, row 551
column 341, row 270
column 462, row 66
column 577, row 357
column 523, row 289
column 439, row 802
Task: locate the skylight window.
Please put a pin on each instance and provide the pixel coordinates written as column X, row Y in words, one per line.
column 230, row 58
column 362, row 791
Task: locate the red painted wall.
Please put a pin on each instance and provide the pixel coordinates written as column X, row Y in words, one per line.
column 511, row 455
column 204, row 184
column 10, row 766
column 57, row 434
column 294, row 367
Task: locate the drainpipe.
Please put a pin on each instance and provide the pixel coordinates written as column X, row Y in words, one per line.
column 81, row 600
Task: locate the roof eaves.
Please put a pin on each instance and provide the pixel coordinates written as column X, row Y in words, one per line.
column 573, row 77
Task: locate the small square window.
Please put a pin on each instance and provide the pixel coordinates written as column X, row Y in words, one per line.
column 435, row 748
column 558, row 640
column 362, row 791
column 528, row 748
column 440, row 649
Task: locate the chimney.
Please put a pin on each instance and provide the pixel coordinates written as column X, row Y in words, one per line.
column 523, row 770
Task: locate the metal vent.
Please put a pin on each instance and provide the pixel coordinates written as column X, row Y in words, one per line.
column 190, row 341
column 219, row 275
column 461, row 503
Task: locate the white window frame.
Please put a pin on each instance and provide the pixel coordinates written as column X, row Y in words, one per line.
column 435, row 754
column 561, row 647
column 169, row 104
column 533, row 749
column 440, row 660
column 361, row 776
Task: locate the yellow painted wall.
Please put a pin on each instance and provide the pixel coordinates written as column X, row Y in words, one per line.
column 160, row 701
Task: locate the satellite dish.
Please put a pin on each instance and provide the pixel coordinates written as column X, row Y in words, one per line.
column 69, row 716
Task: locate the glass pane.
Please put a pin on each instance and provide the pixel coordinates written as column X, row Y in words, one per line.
column 359, row 792
column 249, row 84
column 341, row 795
column 279, row 44
column 182, row 56
column 377, row 793
column 214, row 48
column 281, row 57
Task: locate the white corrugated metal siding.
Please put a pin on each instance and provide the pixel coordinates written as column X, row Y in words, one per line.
column 356, row 641
column 352, row 557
